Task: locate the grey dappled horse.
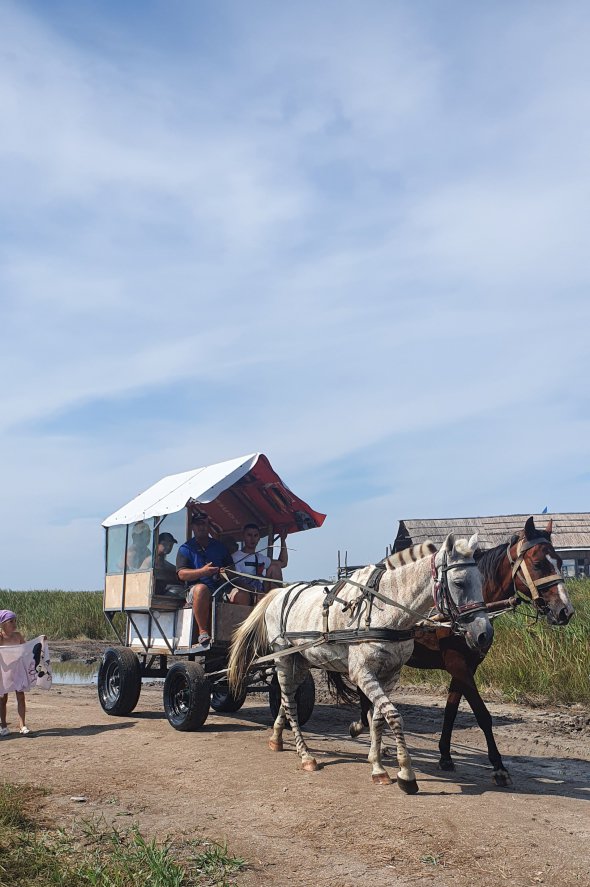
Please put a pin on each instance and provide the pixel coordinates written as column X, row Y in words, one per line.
column 370, row 637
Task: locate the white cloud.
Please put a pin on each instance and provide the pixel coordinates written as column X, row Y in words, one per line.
column 338, row 232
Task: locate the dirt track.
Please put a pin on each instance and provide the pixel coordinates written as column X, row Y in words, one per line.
column 332, row 827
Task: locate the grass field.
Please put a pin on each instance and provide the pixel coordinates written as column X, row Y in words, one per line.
column 528, row 659
column 94, row 854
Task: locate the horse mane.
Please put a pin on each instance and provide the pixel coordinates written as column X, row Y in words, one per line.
column 409, row 555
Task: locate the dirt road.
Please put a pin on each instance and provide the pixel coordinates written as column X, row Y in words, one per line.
column 331, row 828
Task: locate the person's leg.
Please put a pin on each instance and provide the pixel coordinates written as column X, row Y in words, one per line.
column 3, row 702
column 21, row 707
column 239, row 596
column 202, row 607
column 274, row 572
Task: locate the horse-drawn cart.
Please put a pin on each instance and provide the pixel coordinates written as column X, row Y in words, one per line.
column 159, row 635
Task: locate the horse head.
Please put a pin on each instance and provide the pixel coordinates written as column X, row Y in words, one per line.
column 536, row 573
column 458, row 591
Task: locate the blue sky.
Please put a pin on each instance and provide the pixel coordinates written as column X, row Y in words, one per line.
column 350, row 236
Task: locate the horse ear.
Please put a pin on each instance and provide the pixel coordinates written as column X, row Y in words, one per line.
column 530, row 531
column 473, row 542
column 449, row 543
column 549, row 527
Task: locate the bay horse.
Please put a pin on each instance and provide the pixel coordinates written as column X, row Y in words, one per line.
column 528, row 568
column 368, row 636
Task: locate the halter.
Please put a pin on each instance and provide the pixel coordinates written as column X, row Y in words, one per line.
column 535, row 586
column 443, row 601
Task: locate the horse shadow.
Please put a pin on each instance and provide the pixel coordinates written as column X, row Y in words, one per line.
column 541, row 775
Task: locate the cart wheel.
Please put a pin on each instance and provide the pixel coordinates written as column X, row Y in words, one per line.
column 305, row 698
column 224, row 700
column 119, row 681
column 187, row 695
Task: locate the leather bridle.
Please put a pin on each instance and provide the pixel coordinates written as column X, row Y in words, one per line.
column 518, row 565
column 443, row 601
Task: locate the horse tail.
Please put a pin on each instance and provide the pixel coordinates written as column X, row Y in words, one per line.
column 409, row 555
column 249, row 642
column 341, row 689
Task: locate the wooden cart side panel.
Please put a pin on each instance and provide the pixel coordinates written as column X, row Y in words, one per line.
column 227, row 618
column 138, row 590
column 113, row 592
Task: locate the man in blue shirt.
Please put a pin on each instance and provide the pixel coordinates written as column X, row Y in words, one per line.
column 198, row 562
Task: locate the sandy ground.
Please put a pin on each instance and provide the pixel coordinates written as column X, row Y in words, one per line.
column 332, row 827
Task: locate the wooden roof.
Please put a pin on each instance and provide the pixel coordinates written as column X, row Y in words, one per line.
column 570, row 530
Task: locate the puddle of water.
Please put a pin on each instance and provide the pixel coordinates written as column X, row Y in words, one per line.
column 74, row 673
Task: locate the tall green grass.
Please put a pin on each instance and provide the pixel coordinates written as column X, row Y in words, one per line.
column 60, row 615
column 528, row 659
column 532, row 660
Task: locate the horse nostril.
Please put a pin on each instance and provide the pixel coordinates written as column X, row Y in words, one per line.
column 484, row 640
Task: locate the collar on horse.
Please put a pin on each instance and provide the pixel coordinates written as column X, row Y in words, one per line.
column 443, row 601
column 518, row 565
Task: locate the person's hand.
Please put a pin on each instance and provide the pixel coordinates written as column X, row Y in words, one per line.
column 209, row 570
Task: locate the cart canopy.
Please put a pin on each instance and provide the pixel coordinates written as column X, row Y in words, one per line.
column 232, row 493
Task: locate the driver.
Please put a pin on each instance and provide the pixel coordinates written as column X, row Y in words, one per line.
column 197, row 564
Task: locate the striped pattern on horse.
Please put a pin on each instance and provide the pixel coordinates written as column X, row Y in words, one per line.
column 410, row 555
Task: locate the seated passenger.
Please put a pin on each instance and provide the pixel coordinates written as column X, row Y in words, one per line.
column 164, row 570
column 197, row 564
column 139, row 555
column 250, row 561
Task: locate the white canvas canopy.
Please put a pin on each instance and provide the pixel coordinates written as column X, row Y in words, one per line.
column 173, row 492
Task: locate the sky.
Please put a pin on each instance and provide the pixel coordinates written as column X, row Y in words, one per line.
column 353, row 237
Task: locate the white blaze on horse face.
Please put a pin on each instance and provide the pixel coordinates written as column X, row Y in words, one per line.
column 563, row 595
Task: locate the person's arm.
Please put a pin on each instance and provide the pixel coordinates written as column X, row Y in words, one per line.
column 283, row 557
column 187, row 573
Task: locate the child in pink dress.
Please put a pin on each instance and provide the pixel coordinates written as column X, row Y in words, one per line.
column 9, row 637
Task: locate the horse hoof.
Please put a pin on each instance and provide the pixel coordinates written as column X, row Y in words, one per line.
column 501, row 778
column 355, row 730
column 408, row 786
column 311, row 765
column 275, row 744
column 446, row 764
column 381, row 779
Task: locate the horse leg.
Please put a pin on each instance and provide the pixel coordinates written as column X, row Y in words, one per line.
column 380, row 776
column 462, row 673
column 290, row 676
column 362, row 726
column 500, row 775
column 383, row 708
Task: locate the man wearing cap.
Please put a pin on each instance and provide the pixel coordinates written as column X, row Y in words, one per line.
column 164, row 570
column 197, row 563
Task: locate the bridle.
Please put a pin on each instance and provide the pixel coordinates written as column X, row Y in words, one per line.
column 443, row 601
column 535, row 586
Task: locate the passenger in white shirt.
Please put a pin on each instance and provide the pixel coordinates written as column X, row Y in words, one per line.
column 254, row 563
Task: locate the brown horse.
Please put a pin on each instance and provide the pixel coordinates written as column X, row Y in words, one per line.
column 526, row 568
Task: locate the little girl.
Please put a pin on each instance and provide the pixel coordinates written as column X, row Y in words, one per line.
column 9, row 636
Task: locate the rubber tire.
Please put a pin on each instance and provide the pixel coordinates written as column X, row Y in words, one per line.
column 305, row 698
column 187, row 696
column 225, row 701
column 119, row 681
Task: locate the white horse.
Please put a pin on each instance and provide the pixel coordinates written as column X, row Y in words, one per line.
column 363, row 628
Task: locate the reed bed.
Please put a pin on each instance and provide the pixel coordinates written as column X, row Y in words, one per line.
column 528, row 660
column 61, row 615
column 531, row 660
